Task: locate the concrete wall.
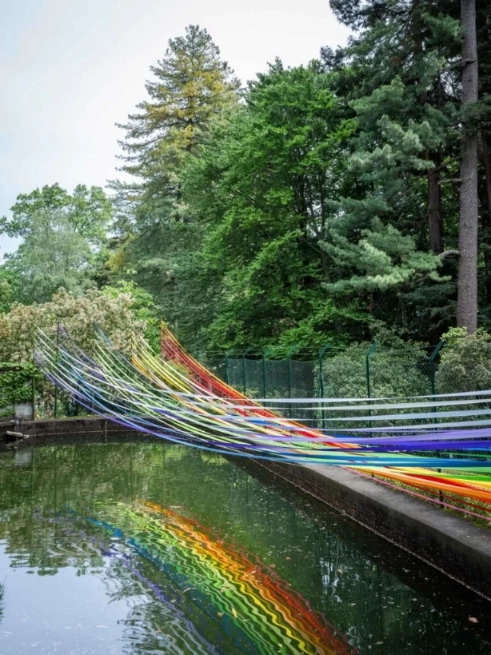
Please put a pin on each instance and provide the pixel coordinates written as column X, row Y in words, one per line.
column 62, row 427
column 453, row 545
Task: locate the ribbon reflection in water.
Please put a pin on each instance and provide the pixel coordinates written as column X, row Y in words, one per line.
column 227, row 597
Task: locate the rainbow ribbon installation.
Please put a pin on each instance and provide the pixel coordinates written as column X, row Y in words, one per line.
column 446, row 458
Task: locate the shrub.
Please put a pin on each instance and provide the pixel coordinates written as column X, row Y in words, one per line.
column 465, row 363
column 77, row 314
column 397, row 369
column 16, row 383
column 113, row 312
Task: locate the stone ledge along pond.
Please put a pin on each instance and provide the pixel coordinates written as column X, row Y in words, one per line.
column 138, row 547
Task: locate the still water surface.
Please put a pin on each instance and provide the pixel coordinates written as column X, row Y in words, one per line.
column 142, row 547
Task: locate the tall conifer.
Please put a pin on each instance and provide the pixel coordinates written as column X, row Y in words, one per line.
column 190, row 89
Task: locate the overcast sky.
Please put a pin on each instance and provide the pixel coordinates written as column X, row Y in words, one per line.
column 71, row 69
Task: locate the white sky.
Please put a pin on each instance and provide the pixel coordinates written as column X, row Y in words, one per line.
column 71, row 69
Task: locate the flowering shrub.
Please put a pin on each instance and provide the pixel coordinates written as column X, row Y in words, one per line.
column 77, row 314
column 112, row 311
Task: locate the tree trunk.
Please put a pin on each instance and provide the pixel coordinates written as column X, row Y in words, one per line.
column 486, row 149
column 434, row 211
column 467, row 283
column 486, row 212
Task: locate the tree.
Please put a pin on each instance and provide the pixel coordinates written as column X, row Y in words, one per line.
column 400, row 76
column 263, row 188
column 414, row 43
column 63, row 238
column 484, row 127
column 443, row 61
column 468, row 226
column 113, row 312
column 191, row 89
column 5, row 289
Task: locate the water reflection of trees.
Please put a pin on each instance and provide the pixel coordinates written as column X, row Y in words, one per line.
column 367, row 591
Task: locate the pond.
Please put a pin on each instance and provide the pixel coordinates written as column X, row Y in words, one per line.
column 139, row 547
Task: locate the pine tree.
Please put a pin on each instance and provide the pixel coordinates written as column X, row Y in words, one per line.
column 191, row 89
column 407, row 49
column 419, row 42
column 399, row 76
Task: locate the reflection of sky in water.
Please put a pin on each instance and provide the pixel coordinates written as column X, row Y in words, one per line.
column 60, row 613
column 142, row 580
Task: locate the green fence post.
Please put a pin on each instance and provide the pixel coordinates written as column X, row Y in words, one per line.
column 55, row 409
column 33, row 388
column 33, row 393
column 367, row 367
column 244, row 369
column 322, row 352
column 227, row 355
column 432, row 371
column 288, row 358
column 432, row 366
column 265, row 352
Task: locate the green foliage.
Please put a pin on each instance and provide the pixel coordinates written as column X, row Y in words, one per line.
column 311, row 333
column 77, row 314
column 381, row 259
column 396, row 369
column 263, row 187
column 143, row 308
column 316, row 210
column 121, row 313
column 465, row 363
column 16, row 382
column 87, row 211
column 63, row 240
column 159, row 242
column 399, row 76
column 319, row 209
column 191, row 89
column 6, row 291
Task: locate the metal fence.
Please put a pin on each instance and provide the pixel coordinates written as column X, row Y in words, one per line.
column 360, row 371
column 352, row 372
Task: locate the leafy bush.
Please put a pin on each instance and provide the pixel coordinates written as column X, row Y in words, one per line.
column 465, row 363
column 396, row 369
column 16, row 382
column 142, row 307
column 111, row 310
